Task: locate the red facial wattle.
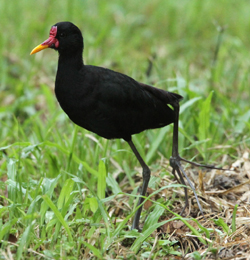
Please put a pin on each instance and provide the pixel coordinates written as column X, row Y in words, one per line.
column 51, row 42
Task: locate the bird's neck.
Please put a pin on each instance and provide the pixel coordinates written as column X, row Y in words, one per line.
column 71, row 61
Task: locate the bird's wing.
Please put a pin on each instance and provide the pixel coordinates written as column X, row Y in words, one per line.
column 161, row 94
column 122, row 106
column 120, row 89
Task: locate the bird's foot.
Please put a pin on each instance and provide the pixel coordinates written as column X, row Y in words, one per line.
column 179, row 158
column 175, row 163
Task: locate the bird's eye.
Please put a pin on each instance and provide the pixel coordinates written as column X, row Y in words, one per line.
column 62, row 34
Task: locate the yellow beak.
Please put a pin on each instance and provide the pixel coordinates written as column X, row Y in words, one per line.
column 39, row 48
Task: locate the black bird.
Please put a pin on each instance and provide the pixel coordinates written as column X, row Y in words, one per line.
column 109, row 103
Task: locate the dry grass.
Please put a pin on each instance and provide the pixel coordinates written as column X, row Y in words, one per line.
column 219, row 192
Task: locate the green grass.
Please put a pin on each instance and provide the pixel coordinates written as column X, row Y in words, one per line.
column 53, row 196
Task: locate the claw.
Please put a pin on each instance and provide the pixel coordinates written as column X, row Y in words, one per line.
column 176, row 165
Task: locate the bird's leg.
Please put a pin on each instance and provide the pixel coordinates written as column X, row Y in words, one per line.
column 146, row 177
column 175, row 153
column 175, row 161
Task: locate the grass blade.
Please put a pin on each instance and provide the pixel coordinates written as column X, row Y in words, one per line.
column 101, row 183
column 24, row 242
column 234, row 218
column 58, row 215
column 154, row 146
column 204, row 122
column 93, row 249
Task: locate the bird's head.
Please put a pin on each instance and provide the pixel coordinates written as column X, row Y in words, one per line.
column 63, row 37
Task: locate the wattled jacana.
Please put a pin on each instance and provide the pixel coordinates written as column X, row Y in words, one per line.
column 109, row 103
